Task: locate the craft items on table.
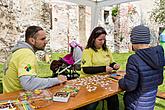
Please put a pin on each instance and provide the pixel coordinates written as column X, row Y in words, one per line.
column 7, row 105
column 65, row 93
column 30, row 100
column 61, row 96
column 23, row 105
column 72, row 89
column 39, row 103
column 14, row 105
column 36, row 94
column 92, row 82
column 36, row 99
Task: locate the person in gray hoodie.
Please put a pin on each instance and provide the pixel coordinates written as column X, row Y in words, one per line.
column 144, row 71
column 20, row 71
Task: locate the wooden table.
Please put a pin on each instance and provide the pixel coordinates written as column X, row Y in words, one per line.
column 81, row 99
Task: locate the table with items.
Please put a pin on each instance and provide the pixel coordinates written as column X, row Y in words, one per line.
column 71, row 95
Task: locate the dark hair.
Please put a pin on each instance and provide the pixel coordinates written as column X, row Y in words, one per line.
column 31, row 32
column 97, row 31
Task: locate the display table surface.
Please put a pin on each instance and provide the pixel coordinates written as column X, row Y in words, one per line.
column 83, row 97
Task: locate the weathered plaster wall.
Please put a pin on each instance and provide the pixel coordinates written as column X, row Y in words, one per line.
column 61, row 20
column 17, row 15
column 65, row 25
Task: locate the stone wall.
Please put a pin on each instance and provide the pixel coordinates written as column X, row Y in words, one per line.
column 62, row 22
column 64, row 25
column 16, row 16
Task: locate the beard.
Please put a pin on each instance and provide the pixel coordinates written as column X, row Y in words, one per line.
column 37, row 47
column 40, row 48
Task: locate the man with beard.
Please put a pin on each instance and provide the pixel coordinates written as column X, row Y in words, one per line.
column 20, row 70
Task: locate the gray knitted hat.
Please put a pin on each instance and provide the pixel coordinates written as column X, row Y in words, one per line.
column 140, row 35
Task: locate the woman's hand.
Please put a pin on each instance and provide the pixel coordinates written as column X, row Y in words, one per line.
column 109, row 69
column 62, row 78
column 116, row 66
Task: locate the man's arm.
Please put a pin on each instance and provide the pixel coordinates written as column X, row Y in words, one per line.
column 32, row 82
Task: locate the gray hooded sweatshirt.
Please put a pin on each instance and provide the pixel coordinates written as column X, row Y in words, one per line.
column 34, row 82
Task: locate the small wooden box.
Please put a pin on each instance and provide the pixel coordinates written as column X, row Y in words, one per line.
column 61, row 96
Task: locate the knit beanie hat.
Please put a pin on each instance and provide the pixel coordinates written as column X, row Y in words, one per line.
column 140, row 35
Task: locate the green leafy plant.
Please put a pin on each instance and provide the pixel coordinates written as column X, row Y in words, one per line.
column 157, row 13
column 115, row 11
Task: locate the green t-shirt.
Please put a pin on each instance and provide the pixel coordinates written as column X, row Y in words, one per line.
column 91, row 58
column 22, row 62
